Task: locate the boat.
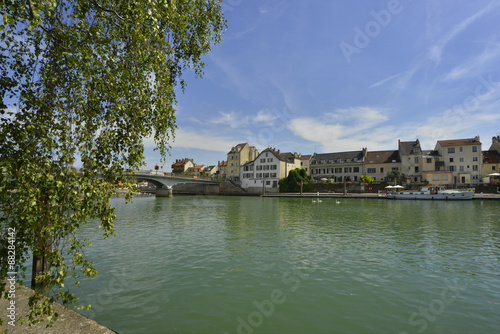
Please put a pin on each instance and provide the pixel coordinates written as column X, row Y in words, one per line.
column 433, row 192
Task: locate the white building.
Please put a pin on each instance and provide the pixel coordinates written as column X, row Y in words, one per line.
column 264, row 173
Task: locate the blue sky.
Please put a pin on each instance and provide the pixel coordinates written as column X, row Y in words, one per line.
column 327, row 76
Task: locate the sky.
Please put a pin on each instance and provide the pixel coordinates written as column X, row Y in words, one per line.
column 329, row 76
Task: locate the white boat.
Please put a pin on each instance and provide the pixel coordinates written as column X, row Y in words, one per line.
column 433, row 192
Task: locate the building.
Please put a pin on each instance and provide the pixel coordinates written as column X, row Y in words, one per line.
column 461, row 157
column 339, row 167
column 222, row 169
column 379, row 163
column 410, row 154
column 491, row 158
column 264, row 173
column 305, row 163
column 432, row 169
column 211, row 170
column 196, row 170
column 182, row 165
column 237, row 157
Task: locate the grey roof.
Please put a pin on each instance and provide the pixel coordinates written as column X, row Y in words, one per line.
column 430, row 153
column 409, row 147
column 339, row 157
column 383, row 156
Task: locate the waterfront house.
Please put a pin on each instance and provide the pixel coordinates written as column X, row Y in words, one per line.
column 462, row 157
column 211, row 170
column 267, row 169
column 433, row 169
column 410, row 154
column 339, row 167
column 491, row 158
column 237, row 157
column 379, row 163
column 222, row 169
column 182, row 165
column 196, row 170
column 305, row 162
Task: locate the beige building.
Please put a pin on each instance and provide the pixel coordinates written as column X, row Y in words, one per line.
column 182, row 165
column 461, row 157
column 410, row 154
column 222, row 169
column 433, row 170
column 339, row 167
column 305, row 162
column 491, row 158
column 379, row 163
column 237, row 157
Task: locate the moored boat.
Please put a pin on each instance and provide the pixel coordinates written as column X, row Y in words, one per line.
column 433, row 192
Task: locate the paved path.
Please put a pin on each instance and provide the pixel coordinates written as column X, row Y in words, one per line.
column 69, row 321
column 365, row 195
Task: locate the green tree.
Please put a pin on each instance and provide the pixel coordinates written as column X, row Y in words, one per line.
column 366, row 179
column 394, row 175
column 87, row 80
column 292, row 182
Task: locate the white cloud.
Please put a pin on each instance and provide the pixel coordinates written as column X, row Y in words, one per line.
column 197, row 140
column 436, row 49
column 474, row 66
column 346, row 129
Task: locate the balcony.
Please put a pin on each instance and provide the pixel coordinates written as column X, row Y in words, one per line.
column 439, row 163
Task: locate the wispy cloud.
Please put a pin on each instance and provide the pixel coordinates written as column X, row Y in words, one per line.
column 436, row 49
column 476, row 65
column 346, row 129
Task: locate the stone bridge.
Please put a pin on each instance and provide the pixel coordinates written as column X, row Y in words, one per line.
column 164, row 184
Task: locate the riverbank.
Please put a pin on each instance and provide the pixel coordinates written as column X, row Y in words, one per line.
column 363, row 195
column 69, row 321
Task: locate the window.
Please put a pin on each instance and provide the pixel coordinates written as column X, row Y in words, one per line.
column 429, row 160
column 445, row 177
column 474, row 148
column 356, row 169
column 474, row 158
column 461, row 168
column 461, row 159
column 475, row 167
column 263, row 160
column 416, row 160
column 416, row 169
column 435, row 177
column 395, row 168
column 451, row 168
column 371, row 170
column 451, row 159
column 451, row 150
column 269, row 159
column 267, row 154
column 493, row 167
column 461, row 149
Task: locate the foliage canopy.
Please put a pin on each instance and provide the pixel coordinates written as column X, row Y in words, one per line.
column 89, row 80
column 292, row 182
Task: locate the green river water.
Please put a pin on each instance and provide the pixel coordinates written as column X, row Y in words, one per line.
column 197, row 264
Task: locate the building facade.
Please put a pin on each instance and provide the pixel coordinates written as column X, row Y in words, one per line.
column 182, row 165
column 339, row 167
column 379, row 163
column 461, row 157
column 264, row 173
column 410, row 154
column 491, row 158
column 237, row 157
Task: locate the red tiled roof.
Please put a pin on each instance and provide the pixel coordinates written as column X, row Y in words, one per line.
column 181, row 163
column 491, row 157
column 459, row 142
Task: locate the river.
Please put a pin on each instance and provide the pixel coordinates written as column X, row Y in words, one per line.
column 198, row 264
